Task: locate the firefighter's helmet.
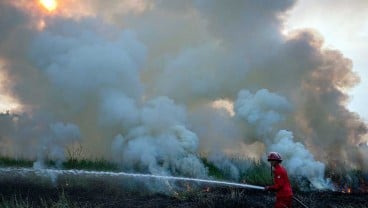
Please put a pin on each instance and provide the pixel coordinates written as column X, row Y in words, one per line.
column 274, row 156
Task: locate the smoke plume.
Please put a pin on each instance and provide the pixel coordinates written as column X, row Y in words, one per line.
column 137, row 83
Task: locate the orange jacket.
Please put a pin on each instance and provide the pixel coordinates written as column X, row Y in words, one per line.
column 281, row 182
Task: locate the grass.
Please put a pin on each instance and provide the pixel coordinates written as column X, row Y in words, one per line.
column 254, row 172
column 259, row 173
column 7, row 161
column 62, row 202
column 14, row 203
column 98, row 164
column 212, row 169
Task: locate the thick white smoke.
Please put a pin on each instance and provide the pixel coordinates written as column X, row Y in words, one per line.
column 264, row 112
column 161, row 144
column 54, row 143
column 136, row 83
column 37, row 137
column 298, row 160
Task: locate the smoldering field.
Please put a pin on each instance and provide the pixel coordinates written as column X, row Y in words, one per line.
column 150, row 85
column 28, row 187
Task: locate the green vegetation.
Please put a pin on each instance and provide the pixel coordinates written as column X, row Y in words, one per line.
column 212, row 169
column 33, row 190
column 7, row 161
column 83, row 164
column 98, row 165
column 259, row 173
column 253, row 172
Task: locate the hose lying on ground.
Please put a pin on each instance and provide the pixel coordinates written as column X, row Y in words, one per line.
column 300, row 202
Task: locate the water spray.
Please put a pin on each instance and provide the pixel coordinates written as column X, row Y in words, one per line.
column 106, row 173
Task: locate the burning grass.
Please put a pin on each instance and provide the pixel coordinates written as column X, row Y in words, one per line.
column 351, row 181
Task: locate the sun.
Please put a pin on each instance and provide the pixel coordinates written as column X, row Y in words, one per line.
column 49, row 5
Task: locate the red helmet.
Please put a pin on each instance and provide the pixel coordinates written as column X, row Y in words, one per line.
column 274, row 156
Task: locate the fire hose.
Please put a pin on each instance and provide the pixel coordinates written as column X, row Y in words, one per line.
column 300, row 202
column 240, row 185
column 262, row 188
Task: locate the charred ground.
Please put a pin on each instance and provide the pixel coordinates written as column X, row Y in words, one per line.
column 102, row 193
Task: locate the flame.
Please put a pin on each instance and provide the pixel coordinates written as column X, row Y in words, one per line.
column 49, row 5
column 346, row 191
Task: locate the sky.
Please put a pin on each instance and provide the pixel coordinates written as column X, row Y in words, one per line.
column 152, row 84
column 344, row 26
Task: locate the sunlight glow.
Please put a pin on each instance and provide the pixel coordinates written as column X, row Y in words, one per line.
column 49, row 5
column 7, row 102
column 224, row 104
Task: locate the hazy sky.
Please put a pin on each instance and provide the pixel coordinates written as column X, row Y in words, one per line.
column 344, row 26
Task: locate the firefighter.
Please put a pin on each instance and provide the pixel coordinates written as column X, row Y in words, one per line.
column 281, row 186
